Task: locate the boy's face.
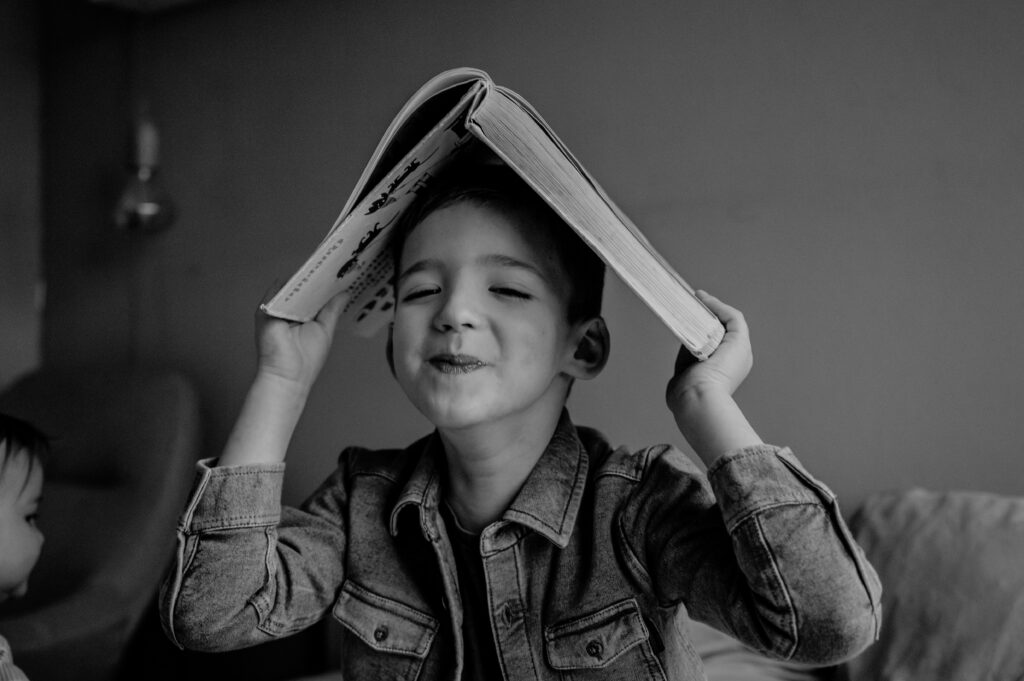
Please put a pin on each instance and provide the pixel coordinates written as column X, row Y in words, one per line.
column 481, row 332
column 20, row 540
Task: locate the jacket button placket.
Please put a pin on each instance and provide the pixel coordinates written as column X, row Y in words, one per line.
column 509, row 610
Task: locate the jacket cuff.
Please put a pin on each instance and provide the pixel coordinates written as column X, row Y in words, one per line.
column 232, row 497
column 754, row 479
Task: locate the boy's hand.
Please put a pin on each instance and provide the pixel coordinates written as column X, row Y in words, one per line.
column 295, row 352
column 290, row 358
column 727, row 366
column 699, row 394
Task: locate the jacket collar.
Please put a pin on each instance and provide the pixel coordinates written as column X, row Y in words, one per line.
column 548, row 502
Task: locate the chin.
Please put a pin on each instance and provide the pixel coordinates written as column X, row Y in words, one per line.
column 453, row 419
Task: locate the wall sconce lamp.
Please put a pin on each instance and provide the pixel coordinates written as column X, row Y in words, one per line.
column 144, row 205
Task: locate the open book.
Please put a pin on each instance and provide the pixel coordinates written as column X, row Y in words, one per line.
column 449, row 115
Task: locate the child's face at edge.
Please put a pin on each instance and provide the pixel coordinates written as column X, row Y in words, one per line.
column 20, row 540
column 481, row 332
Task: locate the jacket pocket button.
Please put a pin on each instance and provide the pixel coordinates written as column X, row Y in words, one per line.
column 380, row 634
column 595, row 649
column 508, row 613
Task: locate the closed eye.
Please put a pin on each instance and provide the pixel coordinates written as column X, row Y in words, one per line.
column 416, row 294
column 511, row 292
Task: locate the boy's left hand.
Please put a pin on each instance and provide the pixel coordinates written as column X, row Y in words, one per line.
column 700, row 393
column 723, row 371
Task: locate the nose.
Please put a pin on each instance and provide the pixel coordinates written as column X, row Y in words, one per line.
column 458, row 310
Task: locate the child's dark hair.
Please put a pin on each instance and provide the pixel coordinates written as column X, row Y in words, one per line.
column 18, row 435
column 493, row 184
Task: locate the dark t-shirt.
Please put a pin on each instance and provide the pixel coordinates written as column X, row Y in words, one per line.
column 481, row 655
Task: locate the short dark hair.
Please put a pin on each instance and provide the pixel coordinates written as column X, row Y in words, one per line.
column 491, row 183
column 19, row 435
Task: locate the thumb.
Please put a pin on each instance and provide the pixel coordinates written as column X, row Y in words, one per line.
column 331, row 311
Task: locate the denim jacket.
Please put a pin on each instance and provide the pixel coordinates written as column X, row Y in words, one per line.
column 590, row 572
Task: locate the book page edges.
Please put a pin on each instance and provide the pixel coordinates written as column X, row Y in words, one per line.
column 700, row 336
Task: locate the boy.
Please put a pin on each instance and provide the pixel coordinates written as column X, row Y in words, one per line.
column 22, row 449
column 509, row 543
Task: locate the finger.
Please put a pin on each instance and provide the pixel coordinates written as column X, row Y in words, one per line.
column 331, row 311
column 730, row 316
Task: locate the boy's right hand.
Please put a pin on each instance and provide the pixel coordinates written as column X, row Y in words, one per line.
column 293, row 352
column 291, row 355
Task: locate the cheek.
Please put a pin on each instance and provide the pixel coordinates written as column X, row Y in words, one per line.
column 32, row 539
column 29, row 544
column 410, row 321
column 32, row 556
column 540, row 340
column 402, row 339
column 403, row 355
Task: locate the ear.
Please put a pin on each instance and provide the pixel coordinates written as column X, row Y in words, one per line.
column 592, row 346
column 389, row 350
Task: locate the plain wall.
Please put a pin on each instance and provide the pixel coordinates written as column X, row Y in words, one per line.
column 20, row 203
column 851, row 175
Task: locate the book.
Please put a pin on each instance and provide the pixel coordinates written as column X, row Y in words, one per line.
column 453, row 112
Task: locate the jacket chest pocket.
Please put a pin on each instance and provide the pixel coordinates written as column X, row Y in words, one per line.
column 397, row 638
column 612, row 643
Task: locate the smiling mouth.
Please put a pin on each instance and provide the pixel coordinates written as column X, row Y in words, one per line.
column 455, row 364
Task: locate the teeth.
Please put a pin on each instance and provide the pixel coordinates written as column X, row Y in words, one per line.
column 450, row 366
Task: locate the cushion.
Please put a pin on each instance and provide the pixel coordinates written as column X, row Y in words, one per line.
column 952, row 570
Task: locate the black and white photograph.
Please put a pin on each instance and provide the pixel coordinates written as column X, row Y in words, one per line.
column 347, row 340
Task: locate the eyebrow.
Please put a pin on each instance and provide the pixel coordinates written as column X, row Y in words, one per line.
column 493, row 259
column 418, row 266
column 509, row 262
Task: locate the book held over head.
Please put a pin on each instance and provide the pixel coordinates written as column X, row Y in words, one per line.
column 450, row 116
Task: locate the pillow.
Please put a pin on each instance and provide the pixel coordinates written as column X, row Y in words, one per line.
column 726, row 659
column 952, row 570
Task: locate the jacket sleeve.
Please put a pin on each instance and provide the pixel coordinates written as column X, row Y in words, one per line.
column 247, row 570
column 761, row 553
